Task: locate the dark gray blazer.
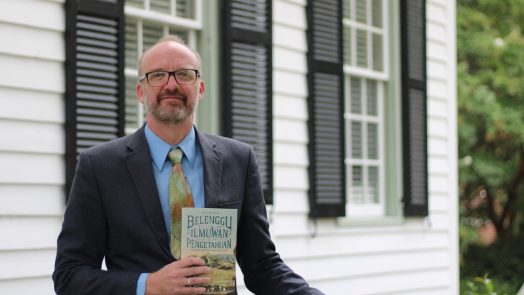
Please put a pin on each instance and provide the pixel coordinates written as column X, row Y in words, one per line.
column 114, row 213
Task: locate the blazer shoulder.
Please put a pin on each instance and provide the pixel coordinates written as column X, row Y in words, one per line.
column 118, row 146
column 225, row 143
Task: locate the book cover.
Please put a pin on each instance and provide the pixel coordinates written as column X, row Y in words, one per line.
column 211, row 234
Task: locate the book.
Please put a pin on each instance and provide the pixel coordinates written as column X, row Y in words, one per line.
column 211, row 234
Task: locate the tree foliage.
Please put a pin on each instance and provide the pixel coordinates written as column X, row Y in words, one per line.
column 490, row 70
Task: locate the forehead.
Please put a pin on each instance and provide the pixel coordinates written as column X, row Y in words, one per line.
column 169, row 56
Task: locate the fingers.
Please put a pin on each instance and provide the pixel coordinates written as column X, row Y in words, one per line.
column 190, row 266
column 197, row 281
column 191, row 285
column 190, row 261
column 196, row 271
column 185, row 276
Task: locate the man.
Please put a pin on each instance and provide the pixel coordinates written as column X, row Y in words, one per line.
column 119, row 208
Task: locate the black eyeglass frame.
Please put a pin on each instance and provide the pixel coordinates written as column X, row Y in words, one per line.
column 170, row 73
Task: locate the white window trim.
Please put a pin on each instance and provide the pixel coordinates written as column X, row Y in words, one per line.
column 378, row 210
column 163, row 18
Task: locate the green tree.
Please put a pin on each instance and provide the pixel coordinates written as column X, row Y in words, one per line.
column 490, row 70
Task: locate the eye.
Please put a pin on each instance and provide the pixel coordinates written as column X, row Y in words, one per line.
column 186, row 75
column 157, row 75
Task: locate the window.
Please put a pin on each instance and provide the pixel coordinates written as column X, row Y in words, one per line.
column 146, row 22
column 367, row 78
column 367, row 108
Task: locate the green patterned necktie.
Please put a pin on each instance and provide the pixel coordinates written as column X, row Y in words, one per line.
column 179, row 196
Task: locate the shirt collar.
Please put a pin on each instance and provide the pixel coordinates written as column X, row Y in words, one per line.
column 159, row 148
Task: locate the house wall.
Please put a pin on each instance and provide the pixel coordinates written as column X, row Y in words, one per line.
column 32, row 143
column 417, row 256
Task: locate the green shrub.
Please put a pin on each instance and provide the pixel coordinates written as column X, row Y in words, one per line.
column 503, row 262
column 485, row 286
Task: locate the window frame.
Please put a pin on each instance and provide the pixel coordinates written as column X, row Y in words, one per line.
column 391, row 132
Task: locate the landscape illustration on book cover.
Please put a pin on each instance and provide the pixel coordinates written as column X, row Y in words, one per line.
column 211, row 234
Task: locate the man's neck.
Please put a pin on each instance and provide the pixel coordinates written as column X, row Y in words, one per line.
column 171, row 133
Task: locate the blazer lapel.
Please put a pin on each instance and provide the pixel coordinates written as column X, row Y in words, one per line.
column 139, row 165
column 212, row 169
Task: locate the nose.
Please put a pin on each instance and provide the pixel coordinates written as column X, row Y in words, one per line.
column 171, row 81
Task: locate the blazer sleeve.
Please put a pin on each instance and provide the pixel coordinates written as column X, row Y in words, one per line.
column 81, row 243
column 263, row 269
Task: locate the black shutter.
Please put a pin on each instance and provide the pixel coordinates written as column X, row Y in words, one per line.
column 414, row 113
column 94, row 76
column 327, row 194
column 247, row 80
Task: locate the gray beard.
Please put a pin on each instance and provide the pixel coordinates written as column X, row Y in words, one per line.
column 172, row 117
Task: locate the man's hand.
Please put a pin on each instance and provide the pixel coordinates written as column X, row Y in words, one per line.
column 180, row 277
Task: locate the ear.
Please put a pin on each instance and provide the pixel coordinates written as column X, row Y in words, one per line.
column 140, row 92
column 201, row 89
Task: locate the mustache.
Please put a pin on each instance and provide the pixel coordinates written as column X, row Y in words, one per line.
column 163, row 95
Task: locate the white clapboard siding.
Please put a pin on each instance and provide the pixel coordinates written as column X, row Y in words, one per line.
column 27, row 263
column 413, row 256
column 40, row 14
column 31, row 200
column 32, row 137
column 34, row 103
column 30, row 45
column 35, row 74
column 290, row 153
column 417, row 282
column 439, row 183
column 27, row 286
column 45, row 169
column 32, row 116
column 29, row 232
column 283, row 103
column 290, row 83
column 356, row 243
column 352, row 266
column 437, row 89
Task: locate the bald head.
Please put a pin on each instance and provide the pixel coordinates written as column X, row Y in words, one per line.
column 167, row 39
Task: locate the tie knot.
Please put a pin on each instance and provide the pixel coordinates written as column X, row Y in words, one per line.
column 175, row 155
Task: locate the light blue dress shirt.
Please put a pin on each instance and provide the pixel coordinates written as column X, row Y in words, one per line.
column 193, row 167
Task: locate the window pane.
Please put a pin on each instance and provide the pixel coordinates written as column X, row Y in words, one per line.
column 162, row 6
column 132, row 104
column 152, row 33
column 357, row 189
column 376, row 13
column 362, row 48
column 356, row 140
column 372, row 141
column 135, row 3
column 361, row 11
column 373, row 185
column 347, row 45
column 378, row 44
column 185, row 8
column 180, row 33
column 356, row 96
column 346, row 9
column 131, row 43
column 372, row 99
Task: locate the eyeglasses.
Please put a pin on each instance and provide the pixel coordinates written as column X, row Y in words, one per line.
column 161, row 78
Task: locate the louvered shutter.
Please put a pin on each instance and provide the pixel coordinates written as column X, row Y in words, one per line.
column 94, row 76
column 414, row 113
column 326, row 101
column 247, row 80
